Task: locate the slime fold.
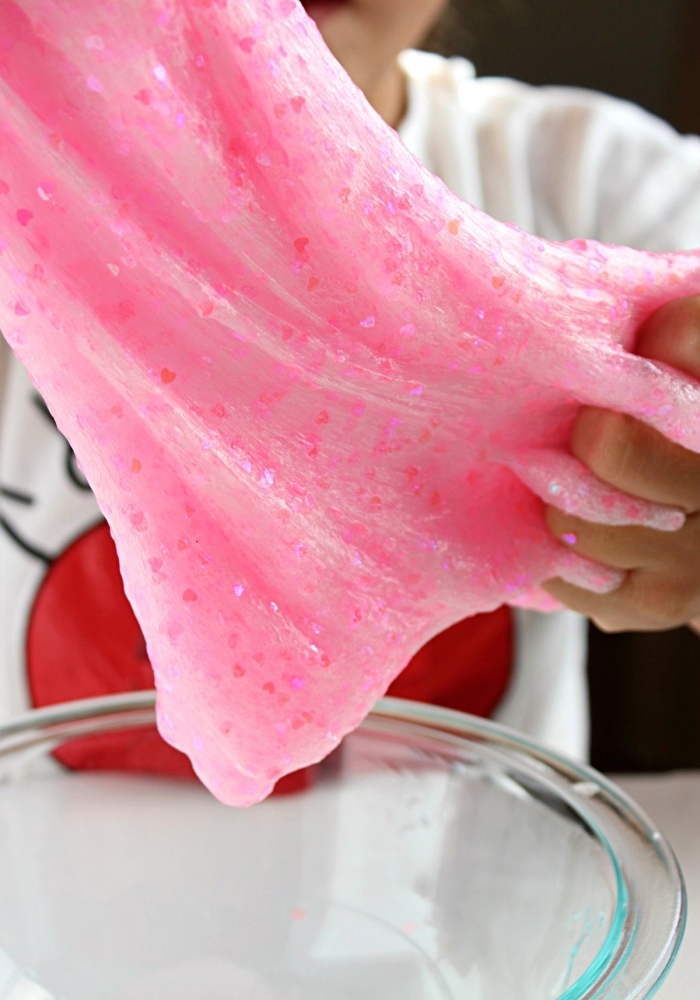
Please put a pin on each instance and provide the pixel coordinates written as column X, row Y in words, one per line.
column 318, row 397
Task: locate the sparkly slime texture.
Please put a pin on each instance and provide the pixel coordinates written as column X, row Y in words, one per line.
column 318, row 397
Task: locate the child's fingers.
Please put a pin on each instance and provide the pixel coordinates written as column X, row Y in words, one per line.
column 636, row 458
column 603, row 609
column 647, row 601
column 606, row 610
column 622, row 547
column 566, row 483
column 662, row 587
column 672, row 335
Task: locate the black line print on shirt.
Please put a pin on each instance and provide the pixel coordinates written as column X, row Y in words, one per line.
column 72, row 467
column 17, row 496
column 23, row 498
column 30, row 549
column 6, row 491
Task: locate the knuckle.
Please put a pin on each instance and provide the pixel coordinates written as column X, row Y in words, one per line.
column 682, row 314
column 672, row 334
column 665, row 604
column 604, row 441
column 682, row 318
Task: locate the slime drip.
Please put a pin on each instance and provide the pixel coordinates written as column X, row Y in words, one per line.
column 319, row 399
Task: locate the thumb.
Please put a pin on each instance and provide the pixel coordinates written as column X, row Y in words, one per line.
column 672, row 335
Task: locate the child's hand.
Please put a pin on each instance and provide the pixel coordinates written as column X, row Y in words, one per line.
column 662, row 587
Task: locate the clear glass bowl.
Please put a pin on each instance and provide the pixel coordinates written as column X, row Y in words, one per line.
column 437, row 856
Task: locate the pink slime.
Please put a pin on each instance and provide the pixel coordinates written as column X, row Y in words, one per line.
column 317, row 396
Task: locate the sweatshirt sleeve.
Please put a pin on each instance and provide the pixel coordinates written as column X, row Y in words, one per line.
column 574, row 163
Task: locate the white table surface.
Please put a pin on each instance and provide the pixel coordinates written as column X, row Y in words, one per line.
column 673, row 802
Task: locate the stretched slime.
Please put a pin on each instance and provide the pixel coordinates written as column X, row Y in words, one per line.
column 319, row 399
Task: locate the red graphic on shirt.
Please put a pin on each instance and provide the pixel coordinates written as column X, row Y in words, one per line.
column 84, row 641
column 466, row 667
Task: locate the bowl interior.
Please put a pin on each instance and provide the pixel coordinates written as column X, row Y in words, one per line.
column 420, row 866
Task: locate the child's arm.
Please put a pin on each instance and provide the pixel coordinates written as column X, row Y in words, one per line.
column 662, row 588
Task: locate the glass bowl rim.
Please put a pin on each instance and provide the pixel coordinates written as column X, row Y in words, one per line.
column 630, row 947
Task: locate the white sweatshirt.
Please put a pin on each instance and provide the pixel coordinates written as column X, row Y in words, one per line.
column 557, row 162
